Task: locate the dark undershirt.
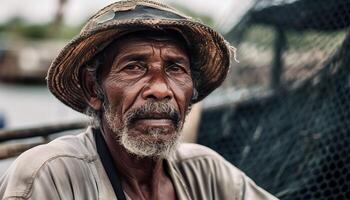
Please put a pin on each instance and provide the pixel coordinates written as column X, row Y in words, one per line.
column 108, row 164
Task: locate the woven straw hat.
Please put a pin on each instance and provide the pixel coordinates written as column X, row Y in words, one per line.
column 210, row 52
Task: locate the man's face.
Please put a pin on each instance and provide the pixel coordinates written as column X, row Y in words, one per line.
column 148, row 89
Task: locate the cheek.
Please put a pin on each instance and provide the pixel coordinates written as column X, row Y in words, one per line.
column 182, row 92
column 121, row 93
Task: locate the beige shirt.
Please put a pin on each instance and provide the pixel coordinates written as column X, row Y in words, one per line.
column 70, row 168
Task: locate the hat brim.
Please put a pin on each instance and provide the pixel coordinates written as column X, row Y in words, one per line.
column 211, row 56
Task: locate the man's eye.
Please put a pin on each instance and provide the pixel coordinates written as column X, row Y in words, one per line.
column 134, row 67
column 175, row 68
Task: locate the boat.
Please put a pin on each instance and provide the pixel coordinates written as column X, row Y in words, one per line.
column 27, row 61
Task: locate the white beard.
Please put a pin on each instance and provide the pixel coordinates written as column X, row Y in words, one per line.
column 146, row 144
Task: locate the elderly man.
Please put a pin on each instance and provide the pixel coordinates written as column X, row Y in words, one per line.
column 136, row 68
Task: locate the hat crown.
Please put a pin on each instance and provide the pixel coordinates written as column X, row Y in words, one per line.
column 109, row 12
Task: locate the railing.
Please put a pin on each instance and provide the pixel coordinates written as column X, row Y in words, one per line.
column 8, row 150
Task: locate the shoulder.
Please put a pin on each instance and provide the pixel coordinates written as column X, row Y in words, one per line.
column 74, row 146
column 38, row 161
column 204, row 161
column 203, row 169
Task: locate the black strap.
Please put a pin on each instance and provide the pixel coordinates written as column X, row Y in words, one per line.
column 108, row 165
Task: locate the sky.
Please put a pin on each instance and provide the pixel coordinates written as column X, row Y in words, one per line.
column 77, row 11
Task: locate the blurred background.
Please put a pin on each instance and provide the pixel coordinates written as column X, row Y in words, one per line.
column 282, row 115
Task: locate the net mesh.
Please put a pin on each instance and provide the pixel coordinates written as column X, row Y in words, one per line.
column 290, row 130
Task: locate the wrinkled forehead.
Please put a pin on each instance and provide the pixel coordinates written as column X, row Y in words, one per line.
column 159, row 38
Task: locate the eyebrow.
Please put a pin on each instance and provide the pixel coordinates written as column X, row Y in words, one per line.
column 133, row 56
column 144, row 56
column 178, row 58
column 129, row 57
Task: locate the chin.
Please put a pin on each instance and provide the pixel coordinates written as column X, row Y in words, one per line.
column 158, row 140
column 155, row 142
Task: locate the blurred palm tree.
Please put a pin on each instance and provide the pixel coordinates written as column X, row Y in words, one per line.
column 58, row 20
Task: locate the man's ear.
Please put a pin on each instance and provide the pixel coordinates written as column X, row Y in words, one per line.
column 89, row 87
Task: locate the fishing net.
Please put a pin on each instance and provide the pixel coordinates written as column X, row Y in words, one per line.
column 283, row 115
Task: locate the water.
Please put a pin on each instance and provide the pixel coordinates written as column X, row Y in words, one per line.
column 29, row 106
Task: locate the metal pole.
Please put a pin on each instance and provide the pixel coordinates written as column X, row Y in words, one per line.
column 277, row 65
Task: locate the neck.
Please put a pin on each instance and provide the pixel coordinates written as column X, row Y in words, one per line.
column 141, row 177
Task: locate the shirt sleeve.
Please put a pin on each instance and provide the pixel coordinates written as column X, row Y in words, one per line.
column 231, row 179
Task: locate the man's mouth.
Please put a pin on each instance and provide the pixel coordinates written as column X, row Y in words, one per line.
column 153, row 115
column 155, row 119
column 155, row 122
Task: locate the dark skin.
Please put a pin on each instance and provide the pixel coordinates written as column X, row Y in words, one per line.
column 142, row 70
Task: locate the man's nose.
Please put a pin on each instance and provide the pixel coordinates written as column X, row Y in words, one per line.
column 157, row 88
